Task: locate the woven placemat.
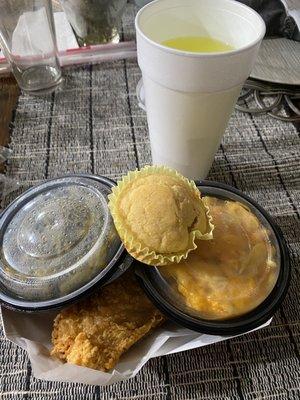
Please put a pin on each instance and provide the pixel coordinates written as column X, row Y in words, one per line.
column 94, row 125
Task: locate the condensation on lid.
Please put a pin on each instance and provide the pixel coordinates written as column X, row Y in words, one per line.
column 234, row 272
column 56, row 238
column 228, row 277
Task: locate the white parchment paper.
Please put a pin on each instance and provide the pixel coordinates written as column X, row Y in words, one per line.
column 33, row 333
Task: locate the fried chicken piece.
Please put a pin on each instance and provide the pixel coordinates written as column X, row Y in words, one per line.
column 95, row 332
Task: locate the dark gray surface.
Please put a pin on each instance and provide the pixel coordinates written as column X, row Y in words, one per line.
column 94, row 125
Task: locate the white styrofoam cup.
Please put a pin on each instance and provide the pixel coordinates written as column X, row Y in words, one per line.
column 189, row 96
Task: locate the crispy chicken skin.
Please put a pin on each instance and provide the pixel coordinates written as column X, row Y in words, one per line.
column 95, row 332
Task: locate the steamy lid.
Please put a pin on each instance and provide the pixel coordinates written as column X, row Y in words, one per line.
column 224, row 278
column 56, row 238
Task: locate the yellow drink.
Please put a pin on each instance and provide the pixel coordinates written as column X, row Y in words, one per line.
column 198, row 44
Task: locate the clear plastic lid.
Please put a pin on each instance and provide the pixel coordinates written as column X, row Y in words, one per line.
column 56, row 238
column 226, row 277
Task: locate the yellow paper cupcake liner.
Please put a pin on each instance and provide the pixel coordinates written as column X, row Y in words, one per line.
column 136, row 249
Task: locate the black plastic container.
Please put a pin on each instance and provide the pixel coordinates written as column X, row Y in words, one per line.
column 59, row 243
column 160, row 294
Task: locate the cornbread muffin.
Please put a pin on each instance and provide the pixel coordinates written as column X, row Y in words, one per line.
column 231, row 274
column 158, row 214
column 95, row 332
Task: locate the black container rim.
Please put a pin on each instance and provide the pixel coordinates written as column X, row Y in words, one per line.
column 99, row 280
column 238, row 325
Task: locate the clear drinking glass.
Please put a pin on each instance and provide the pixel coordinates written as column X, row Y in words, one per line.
column 27, row 38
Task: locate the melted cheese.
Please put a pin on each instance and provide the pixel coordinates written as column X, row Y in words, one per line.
column 231, row 274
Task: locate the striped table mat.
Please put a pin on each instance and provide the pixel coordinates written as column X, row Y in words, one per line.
column 94, row 125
